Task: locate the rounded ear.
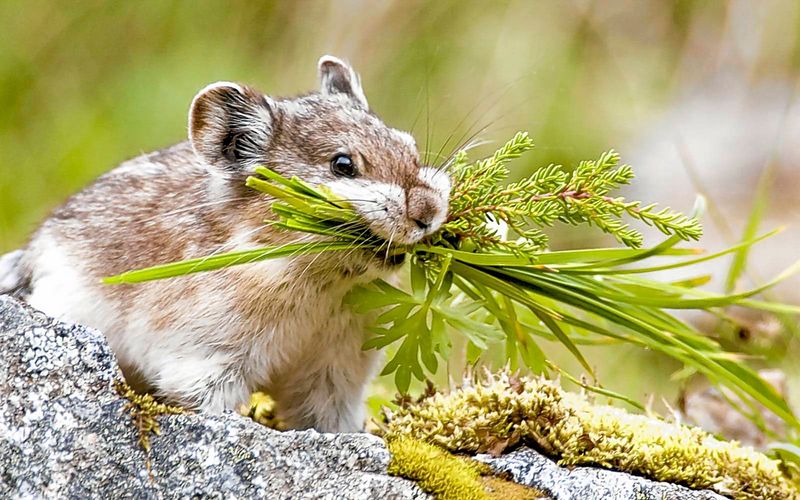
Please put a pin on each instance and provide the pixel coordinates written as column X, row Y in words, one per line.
column 337, row 77
column 230, row 125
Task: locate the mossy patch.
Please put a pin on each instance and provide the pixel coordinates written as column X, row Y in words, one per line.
column 436, row 470
column 503, row 411
column 449, row 477
column 144, row 411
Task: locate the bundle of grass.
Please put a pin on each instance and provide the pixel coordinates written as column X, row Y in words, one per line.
column 504, row 411
column 506, row 293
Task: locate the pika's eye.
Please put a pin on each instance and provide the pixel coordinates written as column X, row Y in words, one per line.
column 343, row 166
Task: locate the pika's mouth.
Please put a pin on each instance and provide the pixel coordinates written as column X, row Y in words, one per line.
column 392, row 259
column 386, row 253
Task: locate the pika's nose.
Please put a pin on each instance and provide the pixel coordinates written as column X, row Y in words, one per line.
column 423, row 207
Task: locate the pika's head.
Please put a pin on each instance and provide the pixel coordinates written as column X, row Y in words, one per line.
column 329, row 137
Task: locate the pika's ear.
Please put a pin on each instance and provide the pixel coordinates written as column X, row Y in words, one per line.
column 337, row 77
column 230, row 125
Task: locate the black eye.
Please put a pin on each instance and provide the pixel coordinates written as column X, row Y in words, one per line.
column 343, row 166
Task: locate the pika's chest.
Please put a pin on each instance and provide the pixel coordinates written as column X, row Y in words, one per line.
column 288, row 325
column 277, row 300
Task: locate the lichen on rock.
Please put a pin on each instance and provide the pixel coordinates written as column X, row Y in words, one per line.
column 502, row 411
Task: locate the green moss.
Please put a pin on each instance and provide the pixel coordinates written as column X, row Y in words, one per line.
column 449, row 477
column 437, row 471
column 504, row 411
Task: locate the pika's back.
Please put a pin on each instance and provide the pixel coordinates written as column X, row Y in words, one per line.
column 153, row 209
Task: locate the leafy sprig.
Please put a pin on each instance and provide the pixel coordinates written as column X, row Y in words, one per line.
column 551, row 195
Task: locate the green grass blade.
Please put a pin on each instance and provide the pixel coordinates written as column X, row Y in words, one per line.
column 685, row 263
column 220, row 261
column 739, row 261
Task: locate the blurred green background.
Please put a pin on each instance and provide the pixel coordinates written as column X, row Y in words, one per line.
column 85, row 85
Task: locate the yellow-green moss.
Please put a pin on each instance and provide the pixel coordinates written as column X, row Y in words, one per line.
column 435, row 470
column 504, row 489
column 504, row 411
column 449, row 477
column 144, row 411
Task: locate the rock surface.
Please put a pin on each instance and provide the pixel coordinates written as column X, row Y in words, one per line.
column 529, row 467
column 63, row 433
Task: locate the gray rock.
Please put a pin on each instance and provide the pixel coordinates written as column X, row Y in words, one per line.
column 528, row 467
column 63, row 433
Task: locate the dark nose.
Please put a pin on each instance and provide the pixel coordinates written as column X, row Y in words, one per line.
column 422, row 207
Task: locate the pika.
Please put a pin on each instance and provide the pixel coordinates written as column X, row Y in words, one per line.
column 206, row 341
